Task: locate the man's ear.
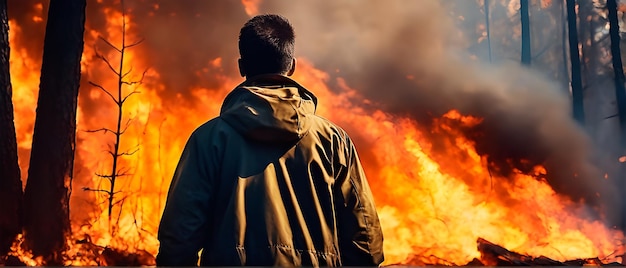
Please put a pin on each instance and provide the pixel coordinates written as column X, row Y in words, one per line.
column 242, row 70
column 293, row 67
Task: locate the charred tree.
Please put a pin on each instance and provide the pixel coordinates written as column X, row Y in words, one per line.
column 617, row 67
column 46, row 196
column 10, row 182
column 620, row 91
column 574, row 54
column 119, row 97
column 525, row 20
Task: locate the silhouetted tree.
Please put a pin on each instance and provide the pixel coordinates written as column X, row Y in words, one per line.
column 525, row 20
column 617, row 66
column 10, row 182
column 620, row 93
column 119, row 98
column 574, row 54
column 46, row 196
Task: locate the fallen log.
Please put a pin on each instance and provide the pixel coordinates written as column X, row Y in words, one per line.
column 492, row 254
column 495, row 255
column 115, row 257
column 107, row 256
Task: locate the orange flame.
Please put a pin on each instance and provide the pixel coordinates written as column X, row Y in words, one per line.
column 251, row 6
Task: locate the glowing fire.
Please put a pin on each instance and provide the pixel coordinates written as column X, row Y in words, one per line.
column 251, row 6
column 425, row 210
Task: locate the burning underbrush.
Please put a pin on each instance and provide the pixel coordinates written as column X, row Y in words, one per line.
column 83, row 252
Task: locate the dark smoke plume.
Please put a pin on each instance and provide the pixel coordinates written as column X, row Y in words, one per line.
column 377, row 44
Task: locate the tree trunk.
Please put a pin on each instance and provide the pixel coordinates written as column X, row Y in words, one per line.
column 574, row 54
column 526, row 58
column 10, row 181
column 620, row 92
column 486, row 7
column 46, row 197
column 565, row 67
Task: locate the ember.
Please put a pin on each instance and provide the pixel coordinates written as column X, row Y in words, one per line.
column 458, row 153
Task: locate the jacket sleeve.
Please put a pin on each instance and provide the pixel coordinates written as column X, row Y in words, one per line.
column 184, row 223
column 359, row 231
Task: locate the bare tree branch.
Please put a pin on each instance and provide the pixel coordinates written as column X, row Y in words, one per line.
column 140, row 81
column 129, row 153
column 128, row 72
column 104, row 129
column 105, row 91
column 135, row 43
column 124, row 172
column 121, row 200
column 106, row 60
column 129, row 94
column 122, row 131
column 108, row 176
column 95, row 190
column 109, row 43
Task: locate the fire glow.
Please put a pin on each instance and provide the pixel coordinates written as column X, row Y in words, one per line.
column 427, row 211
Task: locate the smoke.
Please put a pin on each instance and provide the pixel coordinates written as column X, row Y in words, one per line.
column 181, row 39
column 408, row 57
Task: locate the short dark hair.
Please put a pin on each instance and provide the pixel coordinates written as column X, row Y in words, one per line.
column 266, row 45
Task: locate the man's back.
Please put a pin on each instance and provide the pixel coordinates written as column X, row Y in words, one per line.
column 268, row 182
column 271, row 184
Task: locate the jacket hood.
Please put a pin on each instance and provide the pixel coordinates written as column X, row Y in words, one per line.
column 269, row 108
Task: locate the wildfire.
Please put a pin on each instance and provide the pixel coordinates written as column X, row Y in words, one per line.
column 431, row 210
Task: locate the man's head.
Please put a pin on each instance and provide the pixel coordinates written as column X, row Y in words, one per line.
column 266, row 45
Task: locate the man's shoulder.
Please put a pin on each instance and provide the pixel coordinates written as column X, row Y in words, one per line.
column 211, row 127
column 321, row 121
column 324, row 125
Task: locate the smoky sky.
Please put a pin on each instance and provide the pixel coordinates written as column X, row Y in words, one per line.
column 184, row 36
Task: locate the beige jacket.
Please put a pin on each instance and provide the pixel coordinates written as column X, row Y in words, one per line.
column 269, row 183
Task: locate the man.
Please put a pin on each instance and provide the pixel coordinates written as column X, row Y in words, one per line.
column 268, row 182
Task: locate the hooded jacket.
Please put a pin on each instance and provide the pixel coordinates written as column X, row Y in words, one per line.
column 269, row 183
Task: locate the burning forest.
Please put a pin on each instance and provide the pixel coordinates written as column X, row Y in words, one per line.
column 474, row 156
